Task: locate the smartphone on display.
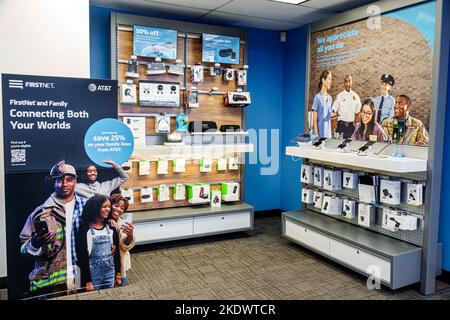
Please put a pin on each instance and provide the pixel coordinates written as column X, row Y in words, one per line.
column 319, row 142
column 366, row 146
column 41, row 227
column 344, row 143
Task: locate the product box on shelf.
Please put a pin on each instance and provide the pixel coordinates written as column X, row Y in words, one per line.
column 216, row 198
column 233, row 163
column 163, row 193
column 366, row 215
column 307, row 196
column 127, row 166
column 388, row 220
column 318, row 199
column 196, row 73
column 222, row 164
column 230, row 191
column 137, row 127
column 179, row 192
column 394, row 220
column 415, row 194
column 162, row 167
column 205, row 165
column 128, row 93
column 368, row 188
column 349, row 208
column 306, row 174
column 332, row 180
column 332, row 205
column 390, row 191
column 350, row 180
column 159, row 94
column 318, row 176
column 228, row 74
column 179, row 165
column 144, row 167
column 198, row 193
column 242, row 77
column 128, row 194
column 162, row 124
column 146, row 194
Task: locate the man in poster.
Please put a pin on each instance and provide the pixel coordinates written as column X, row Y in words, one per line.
column 385, row 102
column 347, row 107
column 48, row 234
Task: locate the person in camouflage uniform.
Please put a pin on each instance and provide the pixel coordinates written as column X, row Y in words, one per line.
column 415, row 131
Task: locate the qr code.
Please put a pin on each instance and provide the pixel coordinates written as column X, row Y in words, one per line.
column 18, row 155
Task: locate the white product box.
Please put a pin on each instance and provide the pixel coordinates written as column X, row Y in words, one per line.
column 205, row 165
column 350, row 180
column 390, row 191
column 306, row 173
column 307, row 196
column 128, row 93
column 216, row 199
column 163, row 167
column 233, row 163
column 179, row 165
column 318, row 176
column 128, row 194
column 349, row 208
column 144, row 167
column 222, row 164
column 146, row 194
column 318, row 199
column 198, row 193
column 163, row 193
column 162, row 124
column 137, row 127
column 242, row 77
column 196, row 73
column 366, row 215
column 332, row 205
column 415, row 194
column 127, row 166
column 332, row 180
column 179, row 192
column 228, row 74
column 389, row 221
column 230, row 191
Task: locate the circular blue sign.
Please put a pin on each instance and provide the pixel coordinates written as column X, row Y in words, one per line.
column 108, row 139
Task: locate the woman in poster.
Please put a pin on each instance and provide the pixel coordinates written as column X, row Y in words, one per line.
column 97, row 246
column 368, row 126
column 322, row 106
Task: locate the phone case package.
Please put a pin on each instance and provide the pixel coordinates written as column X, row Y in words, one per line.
column 332, row 205
column 163, row 193
column 349, row 209
column 233, row 163
column 318, row 199
column 306, row 174
column 318, row 176
column 144, row 167
column 163, row 167
column 222, row 164
column 216, row 199
column 332, row 180
column 390, row 191
column 307, row 196
column 179, row 165
column 366, row 215
column 205, row 165
column 350, row 180
column 179, row 192
column 146, row 194
column 415, row 194
column 128, row 194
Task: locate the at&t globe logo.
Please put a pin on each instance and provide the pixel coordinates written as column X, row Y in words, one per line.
column 92, row 87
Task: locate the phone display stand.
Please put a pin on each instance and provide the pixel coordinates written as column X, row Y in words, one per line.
column 345, row 149
column 368, row 152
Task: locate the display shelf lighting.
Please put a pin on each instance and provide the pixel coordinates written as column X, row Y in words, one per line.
column 291, row 1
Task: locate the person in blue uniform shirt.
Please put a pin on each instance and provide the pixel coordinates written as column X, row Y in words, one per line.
column 385, row 102
column 321, row 106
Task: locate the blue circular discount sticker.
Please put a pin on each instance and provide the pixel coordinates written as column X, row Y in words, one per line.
column 108, row 139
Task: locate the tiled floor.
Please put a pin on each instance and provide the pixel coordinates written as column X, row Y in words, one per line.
column 255, row 265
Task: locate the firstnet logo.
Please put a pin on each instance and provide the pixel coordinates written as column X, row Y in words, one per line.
column 16, row 84
column 19, row 84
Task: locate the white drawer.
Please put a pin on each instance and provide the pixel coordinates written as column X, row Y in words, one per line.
column 164, row 229
column 307, row 236
column 222, row 222
column 361, row 260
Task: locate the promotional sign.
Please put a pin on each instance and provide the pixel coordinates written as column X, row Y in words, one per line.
column 155, row 42
column 44, row 118
column 220, row 49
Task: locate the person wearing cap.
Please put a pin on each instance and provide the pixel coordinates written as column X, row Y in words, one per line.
column 413, row 131
column 92, row 186
column 347, row 107
column 385, row 102
column 53, row 244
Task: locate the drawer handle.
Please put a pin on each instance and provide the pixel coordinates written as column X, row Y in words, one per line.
column 161, row 225
column 223, row 218
column 306, row 230
column 357, row 251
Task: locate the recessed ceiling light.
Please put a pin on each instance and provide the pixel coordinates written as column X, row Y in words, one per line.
column 291, row 1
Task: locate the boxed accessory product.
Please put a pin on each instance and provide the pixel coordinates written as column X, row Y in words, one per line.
column 128, row 194
column 176, row 69
column 332, row 180
column 163, row 193
column 205, row 165
column 156, row 68
column 146, row 194
column 306, row 174
column 318, row 199
column 222, row 164
column 318, row 176
column 163, row 167
column 367, row 188
column 128, row 93
column 228, row 74
column 144, row 167
column 179, row 165
column 198, row 193
column 366, row 215
column 332, row 205
column 182, row 122
column 415, row 194
column 202, row 126
column 132, row 71
column 307, row 196
column 127, row 166
column 196, row 73
column 159, row 94
column 390, row 191
column 162, row 123
column 388, row 221
column 137, row 127
column 237, row 99
column 179, row 192
column 242, row 77
column 216, row 70
column 193, row 98
column 233, row 163
column 349, row 208
column 216, row 199
column 350, row 180
column 230, row 191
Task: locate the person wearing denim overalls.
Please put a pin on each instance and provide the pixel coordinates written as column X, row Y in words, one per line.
column 101, row 261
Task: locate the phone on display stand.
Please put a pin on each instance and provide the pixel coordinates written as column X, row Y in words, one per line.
column 366, row 149
column 319, row 142
column 345, row 143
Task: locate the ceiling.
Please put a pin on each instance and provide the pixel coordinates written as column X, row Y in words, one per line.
column 265, row 14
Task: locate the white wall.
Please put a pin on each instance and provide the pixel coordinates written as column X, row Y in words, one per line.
column 40, row 37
